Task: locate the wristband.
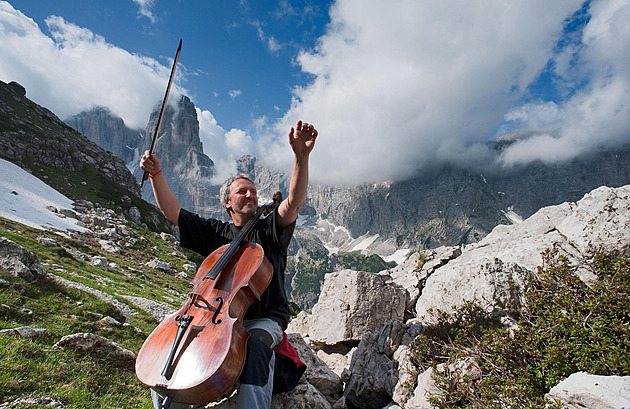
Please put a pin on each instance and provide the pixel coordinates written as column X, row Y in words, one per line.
column 155, row 174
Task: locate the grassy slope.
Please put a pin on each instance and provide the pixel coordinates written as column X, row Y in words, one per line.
column 30, row 367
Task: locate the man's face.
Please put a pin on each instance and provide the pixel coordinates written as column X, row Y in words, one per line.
column 243, row 198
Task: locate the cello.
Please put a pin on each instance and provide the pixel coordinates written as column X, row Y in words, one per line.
column 197, row 353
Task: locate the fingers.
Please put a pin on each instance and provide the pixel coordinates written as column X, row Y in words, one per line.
column 149, row 162
column 302, row 138
column 303, row 127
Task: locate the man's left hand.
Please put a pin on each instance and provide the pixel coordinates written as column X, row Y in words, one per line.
column 302, row 138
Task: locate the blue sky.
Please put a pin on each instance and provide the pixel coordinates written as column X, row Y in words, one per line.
column 237, row 55
column 392, row 86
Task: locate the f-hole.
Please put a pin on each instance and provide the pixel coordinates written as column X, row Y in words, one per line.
column 217, row 311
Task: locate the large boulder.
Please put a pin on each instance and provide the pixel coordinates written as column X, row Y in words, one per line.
column 494, row 271
column 353, row 304
column 582, row 390
column 20, row 262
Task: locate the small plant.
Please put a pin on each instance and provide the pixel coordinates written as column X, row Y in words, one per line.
column 422, row 259
column 565, row 327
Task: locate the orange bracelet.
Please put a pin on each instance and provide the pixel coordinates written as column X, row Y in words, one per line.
column 155, row 174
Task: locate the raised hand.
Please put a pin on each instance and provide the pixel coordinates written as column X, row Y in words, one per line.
column 302, row 138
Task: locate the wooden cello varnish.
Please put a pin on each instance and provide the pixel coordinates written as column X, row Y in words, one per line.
column 196, row 354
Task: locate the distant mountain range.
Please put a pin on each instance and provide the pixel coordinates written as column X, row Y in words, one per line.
column 444, row 206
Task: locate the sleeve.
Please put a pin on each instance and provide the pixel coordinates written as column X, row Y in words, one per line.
column 281, row 237
column 199, row 234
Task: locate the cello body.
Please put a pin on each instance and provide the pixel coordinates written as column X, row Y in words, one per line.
column 210, row 353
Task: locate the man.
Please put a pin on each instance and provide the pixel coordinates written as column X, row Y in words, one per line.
column 266, row 319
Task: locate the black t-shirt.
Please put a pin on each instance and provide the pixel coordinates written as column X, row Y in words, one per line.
column 206, row 235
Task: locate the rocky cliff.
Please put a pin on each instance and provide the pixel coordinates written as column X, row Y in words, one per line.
column 452, row 205
column 31, row 135
column 108, row 131
column 441, row 206
column 186, row 168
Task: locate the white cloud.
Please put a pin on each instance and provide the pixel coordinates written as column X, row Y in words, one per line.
column 239, row 142
column 396, row 86
column 76, row 69
column 270, row 41
column 541, row 147
column 598, row 114
column 146, row 9
column 540, row 115
column 223, row 147
column 402, row 85
column 234, row 93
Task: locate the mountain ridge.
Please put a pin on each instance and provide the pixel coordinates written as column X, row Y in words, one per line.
column 445, row 205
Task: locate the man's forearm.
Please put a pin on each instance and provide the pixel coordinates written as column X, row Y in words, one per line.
column 298, row 187
column 166, row 200
column 299, row 183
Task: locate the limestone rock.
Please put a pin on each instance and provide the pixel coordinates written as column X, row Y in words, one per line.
column 353, row 304
column 336, row 361
column 407, row 374
column 317, row 372
column 20, row 262
column 92, row 343
column 156, row 309
column 299, row 324
column 24, row 332
column 582, row 390
column 494, row 271
column 412, row 273
column 160, row 265
column 599, row 223
column 425, row 386
column 304, row 396
column 373, row 375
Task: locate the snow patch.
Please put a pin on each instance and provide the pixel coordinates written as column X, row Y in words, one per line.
column 399, row 256
column 26, row 199
column 512, row 215
column 362, row 243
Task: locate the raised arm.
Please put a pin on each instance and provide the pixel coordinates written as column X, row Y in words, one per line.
column 302, row 140
column 166, row 200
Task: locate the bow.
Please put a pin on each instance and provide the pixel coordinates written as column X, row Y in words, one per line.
column 157, row 127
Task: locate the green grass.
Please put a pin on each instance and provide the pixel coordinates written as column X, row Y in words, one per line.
column 31, row 367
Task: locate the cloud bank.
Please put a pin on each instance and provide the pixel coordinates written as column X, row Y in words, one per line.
column 395, row 86
column 76, row 69
column 402, row 85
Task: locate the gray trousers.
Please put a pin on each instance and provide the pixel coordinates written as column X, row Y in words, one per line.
column 256, row 381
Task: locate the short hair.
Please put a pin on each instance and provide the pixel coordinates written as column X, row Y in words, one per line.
column 224, row 193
